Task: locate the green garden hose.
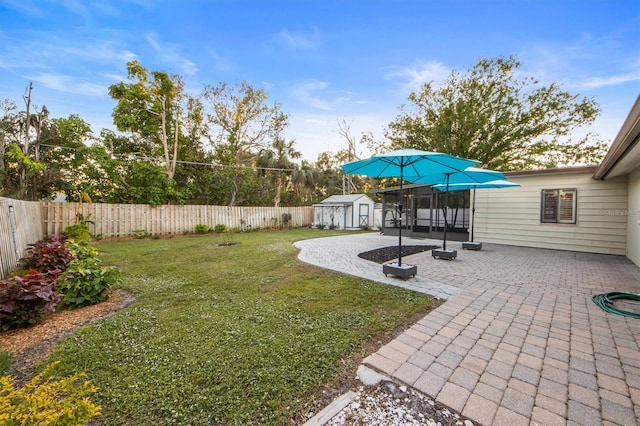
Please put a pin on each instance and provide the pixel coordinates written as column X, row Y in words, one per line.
column 605, row 302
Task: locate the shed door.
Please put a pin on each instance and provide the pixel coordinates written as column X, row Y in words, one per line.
column 363, row 214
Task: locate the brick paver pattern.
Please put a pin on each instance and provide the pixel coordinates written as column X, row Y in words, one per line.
column 519, row 341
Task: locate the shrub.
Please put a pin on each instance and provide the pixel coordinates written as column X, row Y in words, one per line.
column 140, row 233
column 46, row 255
column 227, row 236
column 202, row 228
column 86, row 283
column 25, row 298
column 80, row 230
column 82, row 250
column 286, row 219
column 47, row 402
column 220, row 228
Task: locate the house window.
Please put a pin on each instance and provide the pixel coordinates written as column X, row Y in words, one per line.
column 558, row 206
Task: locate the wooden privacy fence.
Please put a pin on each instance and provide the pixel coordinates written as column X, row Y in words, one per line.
column 117, row 220
column 25, row 222
column 20, row 224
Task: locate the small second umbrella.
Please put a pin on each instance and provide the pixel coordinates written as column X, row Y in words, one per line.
column 466, row 176
column 474, row 185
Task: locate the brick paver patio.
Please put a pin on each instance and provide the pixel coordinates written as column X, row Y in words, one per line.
column 518, row 341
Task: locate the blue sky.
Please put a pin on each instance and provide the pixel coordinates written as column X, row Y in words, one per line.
column 321, row 60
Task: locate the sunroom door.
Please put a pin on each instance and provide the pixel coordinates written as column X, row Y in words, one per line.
column 423, row 214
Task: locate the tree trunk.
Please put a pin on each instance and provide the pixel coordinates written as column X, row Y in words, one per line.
column 276, row 199
column 175, row 152
column 164, row 139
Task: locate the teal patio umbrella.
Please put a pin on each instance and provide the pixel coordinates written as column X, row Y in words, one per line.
column 467, row 186
column 408, row 162
column 467, row 176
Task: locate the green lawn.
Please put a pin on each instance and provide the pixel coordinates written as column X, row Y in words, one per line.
column 242, row 334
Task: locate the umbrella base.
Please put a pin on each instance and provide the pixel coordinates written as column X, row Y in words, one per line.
column 444, row 254
column 404, row 271
column 471, row 245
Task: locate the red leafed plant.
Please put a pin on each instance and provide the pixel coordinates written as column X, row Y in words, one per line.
column 25, row 298
column 46, row 255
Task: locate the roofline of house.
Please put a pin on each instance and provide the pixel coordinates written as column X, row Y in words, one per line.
column 628, row 136
column 556, row 171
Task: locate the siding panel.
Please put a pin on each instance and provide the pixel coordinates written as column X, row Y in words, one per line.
column 512, row 216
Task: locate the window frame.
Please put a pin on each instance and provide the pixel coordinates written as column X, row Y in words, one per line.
column 549, row 196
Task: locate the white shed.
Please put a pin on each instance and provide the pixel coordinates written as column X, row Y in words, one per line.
column 354, row 211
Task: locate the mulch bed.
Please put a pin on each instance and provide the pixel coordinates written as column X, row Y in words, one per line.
column 29, row 346
column 386, row 254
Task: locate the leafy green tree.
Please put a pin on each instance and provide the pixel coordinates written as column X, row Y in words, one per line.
column 329, row 175
column 21, row 136
column 64, row 156
column 149, row 106
column 303, row 182
column 276, row 163
column 56, row 157
column 147, row 183
column 507, row 122
column 8, row 129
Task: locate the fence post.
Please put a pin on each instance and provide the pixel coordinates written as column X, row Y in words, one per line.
column 12, row 221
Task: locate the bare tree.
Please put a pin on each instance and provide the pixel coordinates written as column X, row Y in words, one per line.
column 344, row 130
column 243, row 121
column 242, row 124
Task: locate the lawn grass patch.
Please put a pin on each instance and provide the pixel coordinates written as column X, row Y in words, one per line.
column 5, row 362
column 241, row 334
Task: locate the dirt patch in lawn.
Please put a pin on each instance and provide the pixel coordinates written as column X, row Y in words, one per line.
column 386, row 254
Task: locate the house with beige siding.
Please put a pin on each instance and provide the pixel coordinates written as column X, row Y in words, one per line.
column 562, row 209
column 592, row 209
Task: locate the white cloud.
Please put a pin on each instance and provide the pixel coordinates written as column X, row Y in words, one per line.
column 77, row 7
column 307, row 94
column 413, row 77
column 113, row 77
column 69, row 84
column 585, row 63
column 303, row 93
column 170, row 54
column 299, row 40
column 611, row 80
column 100, row 50
column 44, row 50
column 220, row 63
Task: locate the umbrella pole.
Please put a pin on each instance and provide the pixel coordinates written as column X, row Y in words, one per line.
column 400, row 216
column 473, row 213
column 446, row 211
